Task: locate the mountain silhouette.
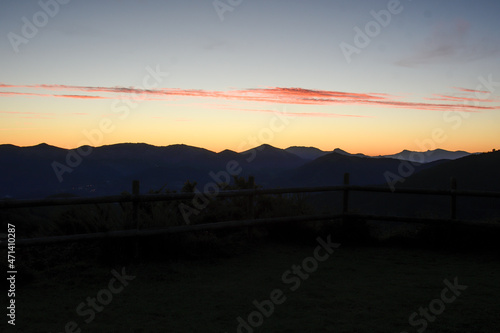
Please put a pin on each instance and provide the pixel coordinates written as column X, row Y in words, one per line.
column 311, row 153
column 307, row 153
column 29, row 172
column 343, row 152
column 267, row 156
column 428, row 156
column 474, row 172
column 329, row 169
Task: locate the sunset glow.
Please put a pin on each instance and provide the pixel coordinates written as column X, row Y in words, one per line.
column 223, row 80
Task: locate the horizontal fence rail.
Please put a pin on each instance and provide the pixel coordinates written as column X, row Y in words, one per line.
column 6, row 204
column 135, row 198
column 173, row 230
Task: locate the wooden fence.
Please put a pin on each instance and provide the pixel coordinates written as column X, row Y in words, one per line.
column 136, row 199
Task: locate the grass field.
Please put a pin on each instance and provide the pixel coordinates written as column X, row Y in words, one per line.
column 357, row 289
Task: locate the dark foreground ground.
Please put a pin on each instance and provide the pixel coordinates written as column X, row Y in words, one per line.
column 355, row 289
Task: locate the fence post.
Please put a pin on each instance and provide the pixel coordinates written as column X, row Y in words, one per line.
column 135, row 204
column 251, row 197
column 453, row 194
column 345, row 201
column 135, row 214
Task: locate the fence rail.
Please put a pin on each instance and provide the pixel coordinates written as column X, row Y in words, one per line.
column 346, row 189
column 8, row 204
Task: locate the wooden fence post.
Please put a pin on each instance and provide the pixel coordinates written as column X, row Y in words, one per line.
column 135, row 214
column 135, row 204
column 251, row 197
column 453, row 194
column 345, row 201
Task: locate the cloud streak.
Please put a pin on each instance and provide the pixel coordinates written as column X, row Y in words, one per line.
column 461, row 99
column 472, row 90
column 270, row 95
column 12, row 93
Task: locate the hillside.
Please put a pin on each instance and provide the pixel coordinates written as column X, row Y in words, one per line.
column 329, row 170
column 474, row 172
column 428, row 156
column 307, row 153
column 42, row 170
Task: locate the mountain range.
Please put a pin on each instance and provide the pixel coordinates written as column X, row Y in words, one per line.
column 310, row 153
column 44, row 170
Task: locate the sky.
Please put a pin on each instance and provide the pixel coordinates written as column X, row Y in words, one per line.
column 372, row 77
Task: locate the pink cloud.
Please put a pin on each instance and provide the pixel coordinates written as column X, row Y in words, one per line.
column 80, row 96
column 12, row 93
column 271, row 95
column 472, row 90
column 461, row 99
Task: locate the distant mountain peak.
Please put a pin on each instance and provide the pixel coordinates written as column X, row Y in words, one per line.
column 228, row 151
column 126, row 145
column 429, row 155
column 180, row 145
column 308, row 153
column 266, row 146
column 304, row 147
column 9, row 145
column 340, row 151
column 343, row 152
column 42, row 145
